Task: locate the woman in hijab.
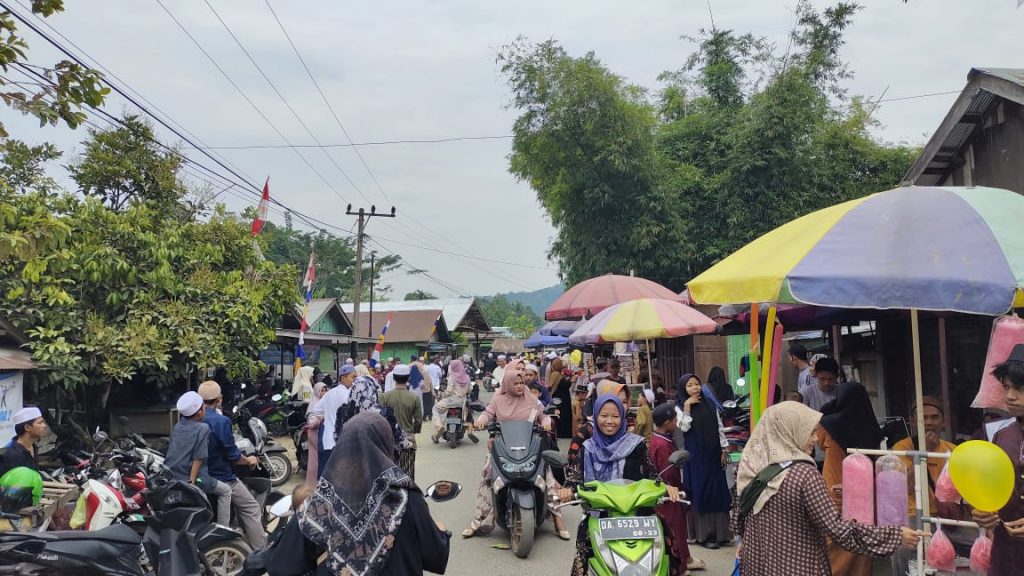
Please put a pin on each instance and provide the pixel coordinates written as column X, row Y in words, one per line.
column 704, row 472
column 785, row 515
column 612, row 453
column 513, row 402
column 718, row 384
column 847, row 422
column 313, row 434
column 302, row 387
column 456, row 395
column 559, row 386
column 365, row 517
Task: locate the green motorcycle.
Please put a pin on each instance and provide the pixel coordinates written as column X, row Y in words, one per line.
column 624, row 542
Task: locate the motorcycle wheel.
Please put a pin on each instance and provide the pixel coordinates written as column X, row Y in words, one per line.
column 522, row 530
column 280, row 468
column 227, row 558
column 452, row 442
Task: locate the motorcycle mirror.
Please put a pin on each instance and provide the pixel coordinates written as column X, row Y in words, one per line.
column 242, row 387
column 276, row 397
column 443, row 491
column 729, row 404
column 678, row 457
column 741, row 382
column 282, row 508
column 555, row 459
column 234, row 410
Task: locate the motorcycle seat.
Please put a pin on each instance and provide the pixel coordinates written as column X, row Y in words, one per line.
column 117, row 533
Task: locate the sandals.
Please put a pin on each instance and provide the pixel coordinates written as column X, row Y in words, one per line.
column 468, row 533
column 474, row 438
column 564, row 535
column 696, row 564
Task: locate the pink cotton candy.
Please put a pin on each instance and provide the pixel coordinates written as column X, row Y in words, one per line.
column 1007, row 332
column 891, row 492
column 859, row 489
column 981, row 553
column 945, row 491
column 940, row 553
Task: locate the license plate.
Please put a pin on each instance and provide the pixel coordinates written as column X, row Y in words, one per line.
column 630, row 528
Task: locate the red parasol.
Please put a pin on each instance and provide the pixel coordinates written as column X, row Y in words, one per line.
column 592, row 296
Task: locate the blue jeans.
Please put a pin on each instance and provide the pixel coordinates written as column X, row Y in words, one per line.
column 322, row 457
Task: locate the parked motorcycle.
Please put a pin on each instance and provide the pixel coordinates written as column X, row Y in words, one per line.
column 519, row 478
column 113, row 551
column 258, row 479
column 624, row 540
column 182, row 538
column 271, row 454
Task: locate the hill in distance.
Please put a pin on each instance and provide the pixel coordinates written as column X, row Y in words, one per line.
column 538, row 300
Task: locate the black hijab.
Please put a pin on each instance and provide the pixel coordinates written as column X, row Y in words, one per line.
column 704, row 414
column 360, row 500
column 850, row 419
column 718, row 384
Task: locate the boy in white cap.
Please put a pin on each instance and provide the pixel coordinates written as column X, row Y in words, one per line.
column 406, row 407
column 189, row 448
column 29, row 428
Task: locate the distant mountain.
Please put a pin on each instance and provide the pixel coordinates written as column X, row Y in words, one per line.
column 538, row 300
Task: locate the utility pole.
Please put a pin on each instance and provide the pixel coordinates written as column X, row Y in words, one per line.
column 373, row 257
column 364, row 218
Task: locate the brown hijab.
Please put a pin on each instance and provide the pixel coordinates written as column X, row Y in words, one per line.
column 506, row 405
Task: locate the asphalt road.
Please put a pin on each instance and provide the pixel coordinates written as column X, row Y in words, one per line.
column 477, row 556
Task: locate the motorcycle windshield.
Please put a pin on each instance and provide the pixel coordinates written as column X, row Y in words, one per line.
column 517, row 441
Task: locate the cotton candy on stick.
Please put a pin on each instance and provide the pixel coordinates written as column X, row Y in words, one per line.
column 859, row 489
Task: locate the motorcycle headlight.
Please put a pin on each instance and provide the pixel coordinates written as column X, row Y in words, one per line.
column 512, row 467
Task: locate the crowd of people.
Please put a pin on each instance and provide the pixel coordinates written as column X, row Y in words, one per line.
column 782, row 512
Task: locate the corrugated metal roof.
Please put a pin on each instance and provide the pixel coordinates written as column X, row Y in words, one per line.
column 406, row 325
column 1015, row 75
column 318, row 307
column 14, row 359
column 460, row 314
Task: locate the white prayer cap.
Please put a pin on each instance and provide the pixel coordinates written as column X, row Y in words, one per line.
column 401, row 370
column 532, row 368
column 649, row 395
column 27, row 415
column 189, row 403
column 350, row 362
column 502, row 357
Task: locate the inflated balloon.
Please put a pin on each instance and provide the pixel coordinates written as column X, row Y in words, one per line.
column 983, row 474
column 576, row 357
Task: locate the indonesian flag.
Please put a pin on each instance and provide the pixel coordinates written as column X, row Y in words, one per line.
column 261, row 210
column 304, row 325
column 375, row 358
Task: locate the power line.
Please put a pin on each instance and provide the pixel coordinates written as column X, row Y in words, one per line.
column 283, row 99
column 248, row 99
column 357, row 144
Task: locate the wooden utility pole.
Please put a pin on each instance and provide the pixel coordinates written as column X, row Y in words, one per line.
column 364, row 218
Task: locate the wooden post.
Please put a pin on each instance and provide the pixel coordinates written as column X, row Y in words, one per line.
column 947, row 405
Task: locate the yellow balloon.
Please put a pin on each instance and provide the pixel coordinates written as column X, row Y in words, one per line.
column 983, row 474
column 576, row 357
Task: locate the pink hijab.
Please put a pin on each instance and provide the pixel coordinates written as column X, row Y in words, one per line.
column 505, row 406
column 457, row 373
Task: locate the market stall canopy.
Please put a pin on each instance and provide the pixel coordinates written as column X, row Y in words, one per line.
column 538, row 340
column 592, row 296
column 926, row 248
column 643, row 319
column 559, row 328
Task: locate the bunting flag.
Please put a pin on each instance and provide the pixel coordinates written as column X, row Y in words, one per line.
column 304, row 324
column 375, row 357
column 261, row 210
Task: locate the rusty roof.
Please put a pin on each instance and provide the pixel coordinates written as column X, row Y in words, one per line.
column 408, row 325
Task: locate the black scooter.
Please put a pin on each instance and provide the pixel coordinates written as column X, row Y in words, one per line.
column 113, row 550
column 518, row 471
column 182, row 538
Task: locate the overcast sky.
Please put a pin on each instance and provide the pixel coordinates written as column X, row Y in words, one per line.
column 426, row 70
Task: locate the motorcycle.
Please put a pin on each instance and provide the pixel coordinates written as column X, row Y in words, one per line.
column 300, row 439
column 486, row 379
column 624, row 540
column 113, row 551
column 270, row 454
column 518, row 477
column 182, row 539
column 258, row 479
column 455, row 418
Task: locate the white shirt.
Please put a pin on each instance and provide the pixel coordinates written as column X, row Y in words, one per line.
column 435, row 375
column 389, row 382
column 327, row 409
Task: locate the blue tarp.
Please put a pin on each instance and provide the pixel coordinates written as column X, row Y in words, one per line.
column 538, row 340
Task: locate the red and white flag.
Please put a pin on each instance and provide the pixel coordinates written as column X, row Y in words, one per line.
column 261, row 210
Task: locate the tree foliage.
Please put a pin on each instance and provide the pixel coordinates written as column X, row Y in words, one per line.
column 739, row 140
column 518, row 317
column 53, row 94
column 419, row 295
column 139, row 294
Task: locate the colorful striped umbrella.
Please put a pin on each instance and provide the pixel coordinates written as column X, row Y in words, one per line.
column 643, row 319
column 923, row 248
column 592, row 296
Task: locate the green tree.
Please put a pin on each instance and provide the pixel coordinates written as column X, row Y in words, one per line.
column 110, row 298
column 67, row 86
column 500, row 311
column 419, row 295
column 740, row 140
